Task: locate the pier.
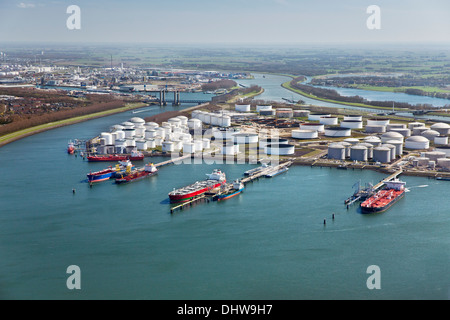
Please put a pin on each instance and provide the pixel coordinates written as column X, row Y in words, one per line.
column 391, row 177
column 209, row 196
column 367, row 192
column 265, row 172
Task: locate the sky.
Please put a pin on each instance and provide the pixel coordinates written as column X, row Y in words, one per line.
column 225, row 21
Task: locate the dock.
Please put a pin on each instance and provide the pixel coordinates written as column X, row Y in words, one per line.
column 165, row 163
column 266, row 171
column 367, row 192
column 391, row 177
column 209, row 196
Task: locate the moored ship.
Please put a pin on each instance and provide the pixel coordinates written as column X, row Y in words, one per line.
column 385, row 198
column 135, row 156
column 148, row 171
column 105, row 158
column 237, row 188
column 110, row 172
column 215, row 179
column 71, row 148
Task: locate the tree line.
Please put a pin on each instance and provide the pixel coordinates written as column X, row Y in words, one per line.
column 334, row 95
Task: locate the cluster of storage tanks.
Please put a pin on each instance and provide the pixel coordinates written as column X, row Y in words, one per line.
column 171, row 136
column 328, row 125
column 214, row 119
column 232, row 142
column 388, row 141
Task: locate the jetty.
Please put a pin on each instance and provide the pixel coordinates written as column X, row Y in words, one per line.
column 209, row 196
column 361, row 194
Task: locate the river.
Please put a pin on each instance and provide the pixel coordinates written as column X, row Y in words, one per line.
column 267, row 243
column 274, row 92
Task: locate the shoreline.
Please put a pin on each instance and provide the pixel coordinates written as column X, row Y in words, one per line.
column 15, row 136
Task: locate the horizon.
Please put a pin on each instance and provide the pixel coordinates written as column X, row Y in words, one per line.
column 252, row 22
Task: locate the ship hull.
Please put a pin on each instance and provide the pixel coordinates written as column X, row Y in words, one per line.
column 178, row 198
column 229, row 195
column 100, row 176
column 368, row 210
column 135, row 177
column 106, row 158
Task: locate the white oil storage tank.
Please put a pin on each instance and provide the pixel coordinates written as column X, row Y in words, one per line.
column 167, row 146
column 245, row 138
column 129, row 133
column 151, row 143
column 336, row 151
column 273, row 141
column 174, row 122
column 375, row 129
column 441, row 140
column 141, row 145
column 263, row 108
column 392, row 148
column 379, row 122
column 405, row 132
column 353, row 117
column 338, row 132
column 352, row 124
column 316, row 117
column 304, row 134
column 329, row 121
column 430, row 134
column 382, row 154
column 151, row 125
column 435, row 155
column 413, row 125
column 358, row 153
column 444, row 163
column 206, row 143
column 417, row 143
column 242, row 107
column 183, row 120
column 398, row 146
column 188, row 147
column 391, row 136
column 225, row 121
column 108, row 138
column 312, row 126
column 279, row 149
column 391, row 126
column 441, row 127
column 150, row 134
column 301, row 113
column 194, row 124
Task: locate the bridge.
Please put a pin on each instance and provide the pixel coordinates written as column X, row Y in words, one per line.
column 176, row 101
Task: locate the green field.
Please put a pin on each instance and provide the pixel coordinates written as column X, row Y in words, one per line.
column 33, row 130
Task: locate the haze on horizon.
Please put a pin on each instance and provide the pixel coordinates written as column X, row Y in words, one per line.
column 230, row 21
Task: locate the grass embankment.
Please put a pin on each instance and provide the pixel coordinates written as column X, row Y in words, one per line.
column 400, row 89
column 8, row 138
column 287, row 85
column 246, row 96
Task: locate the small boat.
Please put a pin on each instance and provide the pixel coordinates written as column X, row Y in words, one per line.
column 71, row 148
column 277, row 172
column 148, row 171
column 237, row 188
column 443, row 178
